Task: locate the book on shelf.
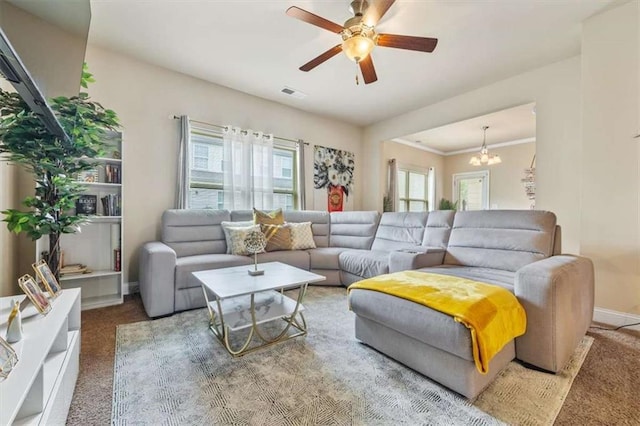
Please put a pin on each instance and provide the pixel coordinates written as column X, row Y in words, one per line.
column 111, row 205
column 74, row 269
column 112, row 173
column 117, row 260
column 86, row 204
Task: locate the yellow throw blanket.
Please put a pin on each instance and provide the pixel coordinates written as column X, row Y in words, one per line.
column 491, row 313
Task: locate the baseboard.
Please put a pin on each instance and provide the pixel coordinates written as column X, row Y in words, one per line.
column 130, row 288
column 615, row 318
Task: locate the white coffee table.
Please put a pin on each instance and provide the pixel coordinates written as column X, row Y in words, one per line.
column 239, row 301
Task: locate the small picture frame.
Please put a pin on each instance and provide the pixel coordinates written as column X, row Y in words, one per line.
column 8, row 359
column 49, row 281
column 35, row 295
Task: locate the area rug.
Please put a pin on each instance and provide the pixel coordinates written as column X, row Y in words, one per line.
column 173, row 371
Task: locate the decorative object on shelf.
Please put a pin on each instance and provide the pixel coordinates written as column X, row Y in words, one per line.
column 74, row 269
column 48, row 280
column 35, row 295
column 8, row 359
column 54, row 161
column 90, row 175
column 529, row 182
column 333, row 170
column 255, row 243
column 86, row 204
column 14, row 323
column 484, row 157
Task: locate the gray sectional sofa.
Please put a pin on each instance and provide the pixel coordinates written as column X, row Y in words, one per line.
column 518, row 250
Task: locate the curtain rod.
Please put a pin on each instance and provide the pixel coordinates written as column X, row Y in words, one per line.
column 298, row 141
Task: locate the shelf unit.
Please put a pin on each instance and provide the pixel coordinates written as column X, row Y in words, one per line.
column 39, row 389
column 94, row 245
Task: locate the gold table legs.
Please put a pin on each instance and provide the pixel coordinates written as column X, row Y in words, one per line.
column 222, row 331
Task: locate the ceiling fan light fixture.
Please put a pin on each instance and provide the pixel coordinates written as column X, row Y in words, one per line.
column 357, row 47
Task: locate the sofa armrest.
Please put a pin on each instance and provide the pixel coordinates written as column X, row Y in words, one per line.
column 420, row 257
column 557, row 294
column 157, row 278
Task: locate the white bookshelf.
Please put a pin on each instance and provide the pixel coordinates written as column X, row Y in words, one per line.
column 94, row 245
column 40, row 387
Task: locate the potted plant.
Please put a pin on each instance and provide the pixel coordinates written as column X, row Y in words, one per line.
column 447, row 205
column 53, row 161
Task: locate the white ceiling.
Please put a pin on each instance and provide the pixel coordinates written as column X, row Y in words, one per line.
column 516, row 124
column 252, row 46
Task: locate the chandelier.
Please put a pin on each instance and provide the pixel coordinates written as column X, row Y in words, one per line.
column 484, row 157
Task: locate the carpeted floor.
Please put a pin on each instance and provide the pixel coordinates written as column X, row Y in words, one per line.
column 602, row 393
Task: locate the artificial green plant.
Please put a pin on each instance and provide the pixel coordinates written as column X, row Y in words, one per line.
column 53, row 161
column 447, row 205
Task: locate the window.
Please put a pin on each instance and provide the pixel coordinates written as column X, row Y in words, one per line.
column 413, row 190
column 206, row 187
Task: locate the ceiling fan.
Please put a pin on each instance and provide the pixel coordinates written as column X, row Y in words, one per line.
column 359, row 36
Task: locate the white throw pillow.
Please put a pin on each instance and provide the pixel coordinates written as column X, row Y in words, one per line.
column 301, row 236
column 225, row 228
column 238, row 235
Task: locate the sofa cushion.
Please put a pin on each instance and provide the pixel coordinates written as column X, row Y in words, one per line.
column 499, row 277
column 438, row 229
column 414, row 320
column 500, row 239
column 354, row 230
column 365, row 263
column 326, row 257
column 297, row 258
column 238, row 237
column 399, row 230
column 188, row 264
column 194, row 231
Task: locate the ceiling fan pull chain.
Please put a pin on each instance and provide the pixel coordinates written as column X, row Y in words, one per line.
column 357, row 79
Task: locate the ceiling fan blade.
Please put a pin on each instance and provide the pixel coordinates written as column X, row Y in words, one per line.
column 312, row 19
column 322, row 58
column 376, row 11
column 422, row 44
column 368, row 71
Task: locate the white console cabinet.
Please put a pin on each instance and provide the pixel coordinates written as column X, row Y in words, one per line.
column 39, row 389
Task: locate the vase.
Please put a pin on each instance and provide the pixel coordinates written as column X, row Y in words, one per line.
column 336, row 198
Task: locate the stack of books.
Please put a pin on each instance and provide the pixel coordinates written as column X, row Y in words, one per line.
column 112, row 173
column 111, row 205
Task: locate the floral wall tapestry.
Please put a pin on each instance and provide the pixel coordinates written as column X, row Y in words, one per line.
column 333, row 170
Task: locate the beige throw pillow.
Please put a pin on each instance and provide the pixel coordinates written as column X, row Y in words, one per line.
column 237, row 236
column 275, row 217
column 301, row 236
column 278, row 237
column 225, row 228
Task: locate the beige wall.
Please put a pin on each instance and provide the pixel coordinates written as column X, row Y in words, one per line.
column 505, row 189
column 556, row 90
column 40, row 45
column 145, row 96
column 610, row 225
column 411, row 157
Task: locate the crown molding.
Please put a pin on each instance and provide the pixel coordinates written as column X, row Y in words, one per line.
column 418, row 146
column 493, row 146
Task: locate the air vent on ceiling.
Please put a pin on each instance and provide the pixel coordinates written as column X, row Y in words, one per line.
column 293, row 93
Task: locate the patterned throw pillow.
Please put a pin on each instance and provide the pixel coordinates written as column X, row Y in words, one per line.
column 275, row 217
column 278, row 237
column 225, row 228
column 301, row 236
column 238, row 236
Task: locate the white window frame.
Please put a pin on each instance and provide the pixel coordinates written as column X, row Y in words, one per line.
column 429, row 186
column 480, row 174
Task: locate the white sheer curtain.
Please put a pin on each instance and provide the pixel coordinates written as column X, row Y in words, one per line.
column 248, row 169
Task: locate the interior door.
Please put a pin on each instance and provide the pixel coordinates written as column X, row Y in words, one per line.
column 471, row 190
